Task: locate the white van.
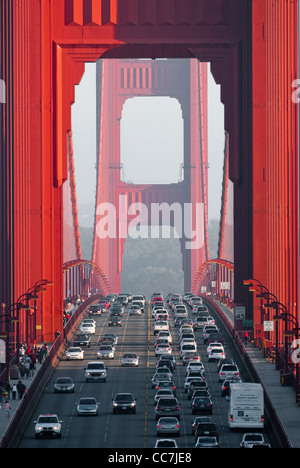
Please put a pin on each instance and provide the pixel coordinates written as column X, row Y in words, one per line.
column 246, row 409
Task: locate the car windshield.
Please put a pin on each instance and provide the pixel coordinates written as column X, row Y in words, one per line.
column 47, row 419
column 254, row 437
column 129, row 356
column 64, row 380
column 165, row 443
column 96, row 366
column 167, row 401
column 74, row 350
column 124, row 397
column 228, row 368
column 87, row 401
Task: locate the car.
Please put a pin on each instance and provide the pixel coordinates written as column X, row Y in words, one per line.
column 166, row 384
column 87, row 406
column 82, row 339
column 224, row 361
column 130, row 359
column 198, row 392
column 165, row 363
column 202, row 405
column 196, row 385
column 187, row 348
column 159, row 376
column 216, row 337
column 88, row 327
column 191, row 357
column 160, row 325
column 168, row 425
column 206, row 442
column 95, row 309
column 165, row 334
column 212, row 346
column 64, row 385
column 47, row 425
column 88, row 320
column 201, row 419
column 114, row 320
column 106, row 340
column 164, row 392
column 225, row 389
column 124, row 403
column 105, row 351
column 207, row 331
column 207, row 429
column 190, row 379
column 195, row 366
column 216, row 354
column 228, row 370
column 199, row 322
column 111, row 336
column 135, row 310
column 167, row 406
column 162, row 348
column 95, row 371
column 166, row 443
column 74, row 353
column 252, row 438
column 170, row 357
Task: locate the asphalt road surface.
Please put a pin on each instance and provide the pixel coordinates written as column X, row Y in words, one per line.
column 138, row 430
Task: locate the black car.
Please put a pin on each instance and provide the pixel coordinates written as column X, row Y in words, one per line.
column 95, row 309
column 82, row 340
column 166, row 363
column 124, row 403
column 114, row 320
column 202, row 405
column 207, row 429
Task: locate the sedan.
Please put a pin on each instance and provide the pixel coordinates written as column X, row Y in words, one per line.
column 114, row 321
column 135, row 310
column 252, row 438
column 87, row 406
column 191, row 357
column 165, row 392
column 106, row 351
column 163, row 349
column 168, row 425
column 166, row 443
column 74, row 353
column 159, row 376
column 130, row 359
column 88, row 327
column 82, row 340
column 64, row 385
column 216, row 354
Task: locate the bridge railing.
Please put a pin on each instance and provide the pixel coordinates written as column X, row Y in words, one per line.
column 23, row 413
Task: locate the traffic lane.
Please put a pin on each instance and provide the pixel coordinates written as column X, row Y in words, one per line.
column 88, row 432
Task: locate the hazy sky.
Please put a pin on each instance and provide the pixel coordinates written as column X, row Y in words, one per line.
column 162, row 115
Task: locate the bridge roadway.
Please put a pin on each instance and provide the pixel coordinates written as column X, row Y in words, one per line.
column 138, row 430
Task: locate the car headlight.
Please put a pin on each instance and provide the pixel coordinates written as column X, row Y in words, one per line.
column 38, row 428
column 56, row 428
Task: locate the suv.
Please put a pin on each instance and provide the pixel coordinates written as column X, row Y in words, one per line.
column 167, row 406
column 48, row 425
column 124, row 402
column 95, row 371
column 228, row 370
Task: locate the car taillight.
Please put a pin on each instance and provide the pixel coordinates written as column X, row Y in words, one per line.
column 236, row 373
column 262, row 418
column 158, row 408
column 231, row 417
column 176, row 408
column 222, row 373
column 158, row 425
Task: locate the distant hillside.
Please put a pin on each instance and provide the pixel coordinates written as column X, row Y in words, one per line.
column 151, row 264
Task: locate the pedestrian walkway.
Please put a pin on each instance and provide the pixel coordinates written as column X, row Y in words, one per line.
column 283, row 397
column 14, row 403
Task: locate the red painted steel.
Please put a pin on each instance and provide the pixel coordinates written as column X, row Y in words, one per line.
column 119, row 80
column 253, row 50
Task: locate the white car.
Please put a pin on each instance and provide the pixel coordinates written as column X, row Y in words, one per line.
column 216, row 354
column 74, row 353
column 88, row 327
column 166, row 443
column 252, row 438
column 228, row 370
column 48, row 425
column 130, row 359
column 162, row 348
column 160, row 325
column 164, row 334
column 87, row 406
column 212, row 346
column 195, row 366
column 188, row 348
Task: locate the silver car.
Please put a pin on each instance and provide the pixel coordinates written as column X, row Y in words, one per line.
column 168, row 425
column 130, row 359
column 87, row 406
column 106, row 351
column 64, row 385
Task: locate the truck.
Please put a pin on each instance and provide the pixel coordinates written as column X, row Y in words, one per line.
column 246, row 407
